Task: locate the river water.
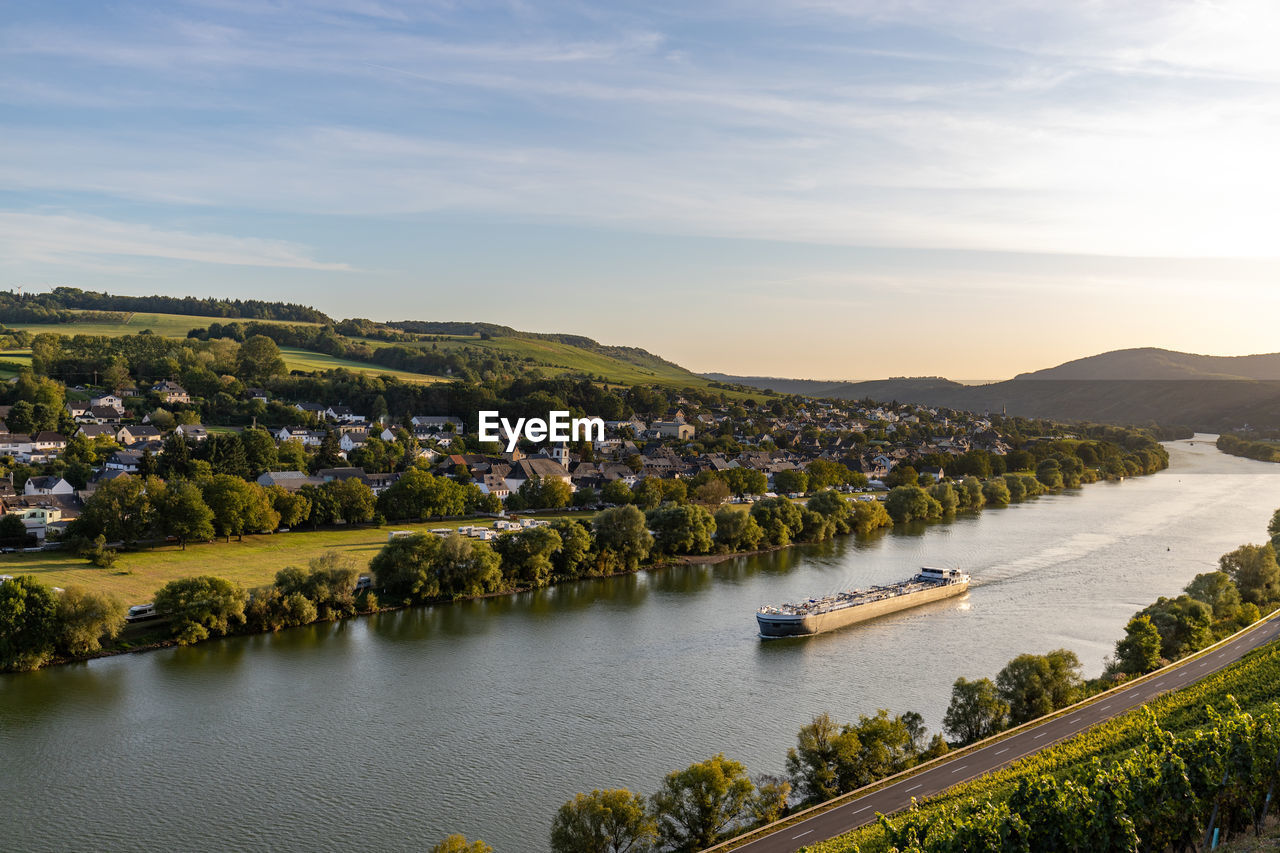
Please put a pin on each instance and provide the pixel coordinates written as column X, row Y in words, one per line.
column 482, row 717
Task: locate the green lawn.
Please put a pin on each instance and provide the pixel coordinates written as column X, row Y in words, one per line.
column 253, row 562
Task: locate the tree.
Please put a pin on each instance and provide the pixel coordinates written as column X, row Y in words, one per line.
column 260, row 451
column 622, row 537
column 825, row 474
column 996, row 492
column 789, row 482
column 1185, row 625
column 13, row 532
column 28, row 623
column 420, row 495
column 1255, row 573
column 181, row 512
column 976, row 711
column 573, row 556
column 907, row 503
column 616, row 492
column 712, row 493
column 868, row 516
column 779, row 518
column 457, row 843
column 85, row 618
column 612, row 821
column 238, row 506
column 1138, row 652
column 1034, row 685
column 902, row 475
column 648, row 493
column 526, row 555
column 355, row 501
column 292, row 507
column 259, row 359
column 770, row 800
column 677, row 529
column 201, row 607
column 1273, row 529
column 1049, row 472
column 546, row 493
column 695, row 805
column 822, row 763
column 424, row 567
column 120, row 510
column 834, row 507
column 736, row 530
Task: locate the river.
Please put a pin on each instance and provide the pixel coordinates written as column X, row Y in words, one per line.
column 482, row 717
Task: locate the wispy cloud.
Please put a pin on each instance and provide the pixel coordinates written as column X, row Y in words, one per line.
column 62, row 238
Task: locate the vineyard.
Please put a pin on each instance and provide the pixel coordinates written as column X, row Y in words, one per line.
column 1191, row 764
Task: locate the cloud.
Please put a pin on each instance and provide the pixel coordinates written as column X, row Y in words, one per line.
column 61, row 238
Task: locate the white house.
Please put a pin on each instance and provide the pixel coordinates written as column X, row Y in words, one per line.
column 47, row 486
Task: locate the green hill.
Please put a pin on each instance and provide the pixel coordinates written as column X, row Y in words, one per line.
column 512, row 351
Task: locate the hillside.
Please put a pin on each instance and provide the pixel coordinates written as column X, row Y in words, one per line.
column 445, row 350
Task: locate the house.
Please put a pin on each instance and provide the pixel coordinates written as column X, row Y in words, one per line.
column 379, row 483
column 677, row 429
column 137, row 434
column 526, row 469
column 308, row 437
column 77, row 408
column 435, row 423
column 310, row 408
column 124, row 460
column 192, row 432
column 353, row 439
column 16, row 444
column 290, row 481
column 342, row 414
column 171, row 392
column 92, row 431
column 100, row 415
column 257, row 394
column 49, row 442
column 494, row 484
column 47, row 486
column 110, row 400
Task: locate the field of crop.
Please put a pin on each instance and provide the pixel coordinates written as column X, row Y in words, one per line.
column 253, row 562
column 300, row 359
column 1250, row 681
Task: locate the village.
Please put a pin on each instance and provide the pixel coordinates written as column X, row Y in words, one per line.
column 862, row 443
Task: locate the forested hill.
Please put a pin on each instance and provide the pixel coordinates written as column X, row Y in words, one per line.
column 59, row 305
column 1140, row 387
column 1149, row 363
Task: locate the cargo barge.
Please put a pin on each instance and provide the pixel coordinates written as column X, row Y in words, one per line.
column 858, row 605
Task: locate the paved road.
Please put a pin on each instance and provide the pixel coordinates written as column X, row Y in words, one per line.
column 938, row 778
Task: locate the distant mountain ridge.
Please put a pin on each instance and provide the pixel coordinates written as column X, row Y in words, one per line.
column 1151, row 363
column 1132, row 386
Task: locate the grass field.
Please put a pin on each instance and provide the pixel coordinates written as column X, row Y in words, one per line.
column 253, row 562
column 300, row 359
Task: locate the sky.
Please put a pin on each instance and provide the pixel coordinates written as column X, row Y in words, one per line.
column 803, row 188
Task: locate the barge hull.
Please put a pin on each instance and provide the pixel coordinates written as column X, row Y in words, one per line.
column 785, row 625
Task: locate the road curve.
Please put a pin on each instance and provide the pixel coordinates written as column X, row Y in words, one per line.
column 943, row 775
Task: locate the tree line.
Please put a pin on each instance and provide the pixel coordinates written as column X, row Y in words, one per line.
column 68, row 298
column 1263, row 451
